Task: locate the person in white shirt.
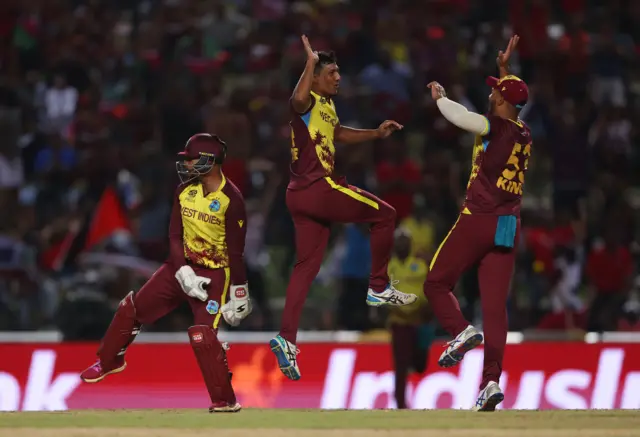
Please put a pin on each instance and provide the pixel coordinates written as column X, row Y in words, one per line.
column 11, row 172
column 60, row 103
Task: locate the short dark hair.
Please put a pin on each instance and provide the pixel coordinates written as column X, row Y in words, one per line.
column 325, row 58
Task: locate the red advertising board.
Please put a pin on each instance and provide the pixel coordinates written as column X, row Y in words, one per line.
column 537, row 376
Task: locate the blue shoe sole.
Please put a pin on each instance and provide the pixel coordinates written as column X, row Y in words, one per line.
column 285, row 366
column 374, row 302
column 455, row 357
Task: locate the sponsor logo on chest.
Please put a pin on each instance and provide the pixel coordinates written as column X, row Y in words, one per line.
column 201, row 216
column 328, row 118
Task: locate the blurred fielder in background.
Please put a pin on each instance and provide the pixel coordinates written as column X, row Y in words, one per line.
column 205, row 267
column 487, row 230
column 411, row 330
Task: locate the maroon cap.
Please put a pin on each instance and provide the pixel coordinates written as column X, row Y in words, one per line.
column 512, row 88
column 203, row 144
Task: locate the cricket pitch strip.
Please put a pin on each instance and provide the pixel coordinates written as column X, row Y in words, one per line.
column 321, row 423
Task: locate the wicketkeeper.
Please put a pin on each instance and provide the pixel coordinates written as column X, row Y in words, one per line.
column 205, row 267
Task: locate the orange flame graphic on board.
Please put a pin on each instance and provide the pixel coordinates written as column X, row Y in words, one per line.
column 259, row 381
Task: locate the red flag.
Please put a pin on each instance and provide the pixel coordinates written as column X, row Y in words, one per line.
column 55, row 256
column 108, row 218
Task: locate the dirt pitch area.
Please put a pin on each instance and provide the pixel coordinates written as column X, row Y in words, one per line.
column 318, row 423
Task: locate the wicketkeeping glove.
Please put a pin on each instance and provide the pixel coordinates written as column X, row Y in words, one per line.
column 239, row 305
column 192, row 284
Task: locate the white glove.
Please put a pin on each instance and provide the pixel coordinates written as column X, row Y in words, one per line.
column 192, row 284
column 239, row 305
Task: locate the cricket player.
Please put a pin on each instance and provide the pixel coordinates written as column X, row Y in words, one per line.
column 410, row 327
column 487, row 230
column 205, row 267
column 315, row 199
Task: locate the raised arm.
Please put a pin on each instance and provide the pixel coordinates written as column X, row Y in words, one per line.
column 503, row 57
column 458, row 114
column 301, row 98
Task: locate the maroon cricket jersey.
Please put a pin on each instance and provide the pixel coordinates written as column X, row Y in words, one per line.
column 312, row 148
column 500, row 161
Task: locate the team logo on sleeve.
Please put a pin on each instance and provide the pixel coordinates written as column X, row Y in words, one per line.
column 213, row 307
column 191, row 196
column 214, row 206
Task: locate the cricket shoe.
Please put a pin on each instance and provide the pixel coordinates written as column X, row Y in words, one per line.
column 223, row 407
column 390, row 296
column 489, row 397
column 287, row 355
column 97, row 372
column 456, row 348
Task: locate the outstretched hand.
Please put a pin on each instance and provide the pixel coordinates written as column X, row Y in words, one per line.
column 311, row 55
column 503, row 57
column 388, row 127
column 437, row 90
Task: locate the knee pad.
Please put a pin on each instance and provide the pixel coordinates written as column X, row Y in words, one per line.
column 127, row 307
column 127, row 311
column 212, row 360
column 121, row 332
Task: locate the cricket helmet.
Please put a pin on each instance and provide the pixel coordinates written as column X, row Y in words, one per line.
column 206, row 150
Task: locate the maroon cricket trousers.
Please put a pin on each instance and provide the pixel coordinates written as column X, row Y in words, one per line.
column 313, row 210
column 471, row 241
column 162, row 294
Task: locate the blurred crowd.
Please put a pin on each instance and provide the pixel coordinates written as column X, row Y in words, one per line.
column 97, row 96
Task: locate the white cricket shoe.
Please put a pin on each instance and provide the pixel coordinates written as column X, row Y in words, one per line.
column 456, row 348
column 489, row 397
column 222, row 407
column 390, row 296
column 287, row 355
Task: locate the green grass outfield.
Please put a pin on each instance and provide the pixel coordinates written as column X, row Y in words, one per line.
column 319, row 423
column 325, row 419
